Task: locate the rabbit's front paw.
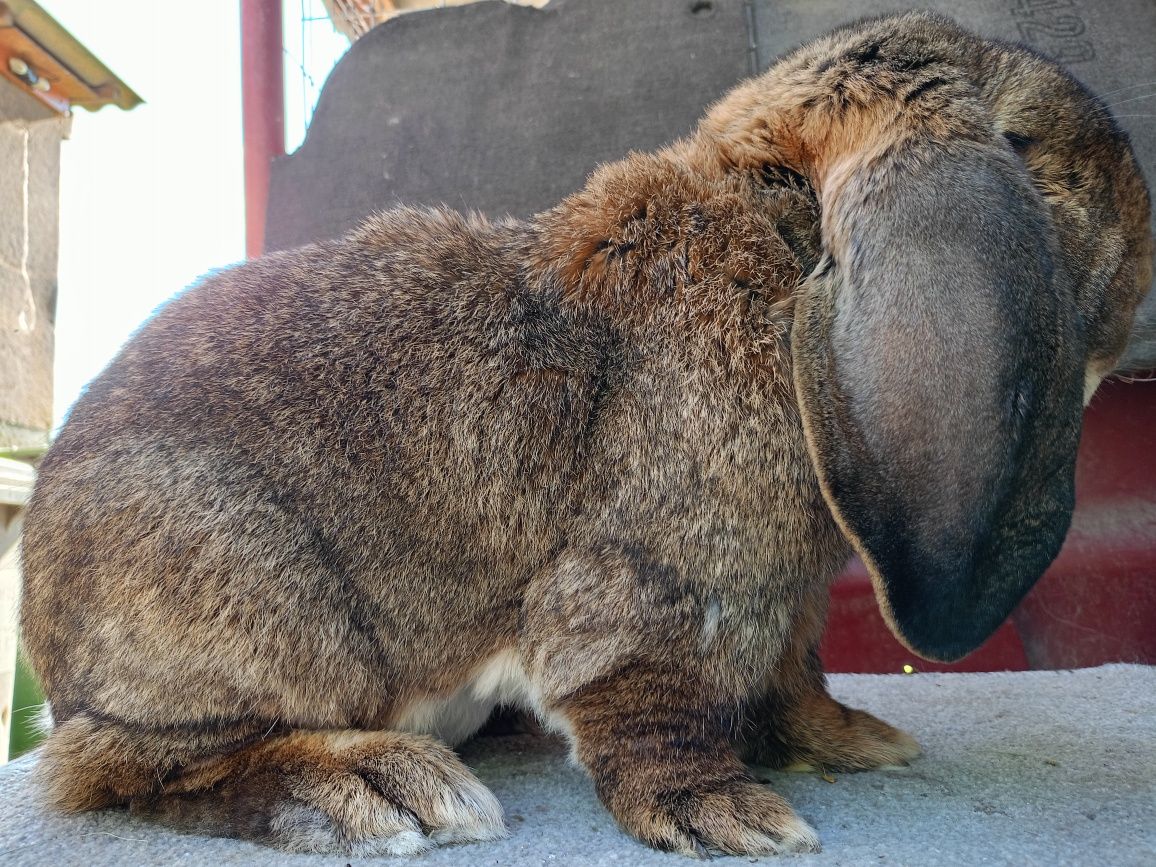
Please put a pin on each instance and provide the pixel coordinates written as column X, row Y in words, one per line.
column 738, row 818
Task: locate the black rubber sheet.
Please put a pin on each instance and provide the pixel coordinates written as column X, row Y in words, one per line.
column 505, row 109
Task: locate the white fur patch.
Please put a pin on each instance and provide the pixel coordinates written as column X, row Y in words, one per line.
column 44, row 722
column 451, row 719
column 1092, row 381
column 501, row 679
column 710, row 623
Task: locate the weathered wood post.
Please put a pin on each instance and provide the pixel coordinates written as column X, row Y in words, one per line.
column 30, row 136
column 44, row 72
column 15, row 485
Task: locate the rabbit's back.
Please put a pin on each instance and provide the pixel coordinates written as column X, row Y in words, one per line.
column 301, row 465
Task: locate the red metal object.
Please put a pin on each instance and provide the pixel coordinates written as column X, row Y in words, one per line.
column 1096, row 604
column 858, row 640
column 263, row 107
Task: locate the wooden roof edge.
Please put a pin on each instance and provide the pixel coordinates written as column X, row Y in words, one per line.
column 100, row 81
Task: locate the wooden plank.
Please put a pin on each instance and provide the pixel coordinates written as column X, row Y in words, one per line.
column 66, row 88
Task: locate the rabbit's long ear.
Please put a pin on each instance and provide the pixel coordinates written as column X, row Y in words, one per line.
column 938, row 363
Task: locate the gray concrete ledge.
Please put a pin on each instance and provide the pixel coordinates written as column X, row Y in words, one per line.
column 1035, row 768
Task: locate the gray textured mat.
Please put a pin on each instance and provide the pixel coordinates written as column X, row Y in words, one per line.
column 1030, row 768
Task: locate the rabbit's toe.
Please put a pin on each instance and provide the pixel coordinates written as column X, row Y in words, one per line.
column 448, row 802
column 385, row 799
column 742, row 818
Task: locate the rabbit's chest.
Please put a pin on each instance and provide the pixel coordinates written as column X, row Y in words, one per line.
column 721, row 492
column 753, row 493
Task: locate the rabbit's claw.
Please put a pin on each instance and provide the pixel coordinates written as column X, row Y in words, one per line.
column 742, row 818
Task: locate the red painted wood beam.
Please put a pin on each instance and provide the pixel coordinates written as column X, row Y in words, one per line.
column 263, row 108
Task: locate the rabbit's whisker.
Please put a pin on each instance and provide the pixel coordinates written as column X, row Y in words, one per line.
column 1133, row 99
column 1127, row 87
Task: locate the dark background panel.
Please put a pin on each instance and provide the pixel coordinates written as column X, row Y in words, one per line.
column 503, row 109
column 506, row 109
column 1109, row 45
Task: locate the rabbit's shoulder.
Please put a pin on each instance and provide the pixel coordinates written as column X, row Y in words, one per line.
column 711, row 264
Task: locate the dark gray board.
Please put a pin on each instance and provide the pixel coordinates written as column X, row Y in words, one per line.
column 505, row 109
column 499, row 108
column 1109, row 45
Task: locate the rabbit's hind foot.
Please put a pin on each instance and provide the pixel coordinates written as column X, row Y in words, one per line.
column 817, row 733
column 359, row 793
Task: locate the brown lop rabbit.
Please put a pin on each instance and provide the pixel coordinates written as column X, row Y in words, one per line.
column 330, row 507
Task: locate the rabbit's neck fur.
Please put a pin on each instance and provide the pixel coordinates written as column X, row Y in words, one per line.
column 657, row 246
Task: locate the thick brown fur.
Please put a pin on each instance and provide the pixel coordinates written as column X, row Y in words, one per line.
column 338, row 499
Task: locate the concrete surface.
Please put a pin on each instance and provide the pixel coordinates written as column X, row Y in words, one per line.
column 1029, row 768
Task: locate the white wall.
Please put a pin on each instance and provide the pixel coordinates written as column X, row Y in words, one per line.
column 152, row 198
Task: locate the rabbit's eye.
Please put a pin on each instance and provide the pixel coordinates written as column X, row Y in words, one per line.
column 781, row 176
column 1019, row 142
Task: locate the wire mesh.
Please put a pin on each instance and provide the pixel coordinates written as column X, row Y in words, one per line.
column 312, row 46
column 318, row 32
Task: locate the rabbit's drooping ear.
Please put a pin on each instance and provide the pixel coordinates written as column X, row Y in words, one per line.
column 939, row 364
column 986, row 234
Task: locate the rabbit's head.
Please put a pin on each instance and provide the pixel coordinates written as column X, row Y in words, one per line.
column 986, row 241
